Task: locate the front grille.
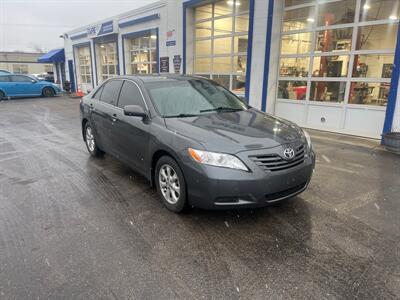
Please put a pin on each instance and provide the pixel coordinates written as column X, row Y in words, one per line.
column 288, row 192
column 274, row 162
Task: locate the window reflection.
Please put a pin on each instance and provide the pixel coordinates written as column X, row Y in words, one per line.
column 334, row 40
column 330, row 66
column 369, row 93
column 296, row 2
column 298, row 18
column 376, row 66
column 372, row 10
column 296, row 43
column 327, row 91
column 376, row 37
column 294, row 67
column 294, row 90
column 334, row 13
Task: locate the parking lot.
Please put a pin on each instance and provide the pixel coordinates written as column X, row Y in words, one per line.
column 74, row 227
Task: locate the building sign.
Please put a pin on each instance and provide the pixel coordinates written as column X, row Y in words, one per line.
column 171, row 40
column 177, row 63
column 100, row 29
column 164, row 64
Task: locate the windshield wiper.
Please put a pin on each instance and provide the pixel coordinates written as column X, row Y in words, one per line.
column 221, row 108
column 182, row 116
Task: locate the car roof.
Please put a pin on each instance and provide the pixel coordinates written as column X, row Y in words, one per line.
column 160, row 77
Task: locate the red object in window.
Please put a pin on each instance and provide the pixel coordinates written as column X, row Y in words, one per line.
column 300, row 92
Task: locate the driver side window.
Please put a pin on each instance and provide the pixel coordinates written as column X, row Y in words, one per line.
column 130, row 95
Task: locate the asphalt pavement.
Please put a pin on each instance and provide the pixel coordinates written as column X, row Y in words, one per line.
column 74, row 227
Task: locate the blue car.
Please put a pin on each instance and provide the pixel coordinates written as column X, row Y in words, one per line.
column 14, row 85
column 4, row 72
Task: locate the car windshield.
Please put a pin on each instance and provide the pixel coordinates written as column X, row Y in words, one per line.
column 185, row 98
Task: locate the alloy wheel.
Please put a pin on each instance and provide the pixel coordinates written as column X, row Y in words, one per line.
column 90, row 139
column 169, row 184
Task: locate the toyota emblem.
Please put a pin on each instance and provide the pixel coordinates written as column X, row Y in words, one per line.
column 288, row 153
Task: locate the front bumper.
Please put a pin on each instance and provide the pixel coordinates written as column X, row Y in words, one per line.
column 221, row 188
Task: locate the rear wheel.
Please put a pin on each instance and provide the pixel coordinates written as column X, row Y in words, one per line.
column 2, row 96
column 48, row 92
column 170, row 184
column 90, row 141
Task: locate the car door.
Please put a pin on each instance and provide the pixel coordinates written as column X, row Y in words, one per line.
column 102, row 112
column 131, row 134
column 24, row 86
column 6, row 85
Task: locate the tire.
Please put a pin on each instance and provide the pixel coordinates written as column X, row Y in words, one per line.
column 90, row 141
column 170, row 183
column 48, row 92
column 2, row 96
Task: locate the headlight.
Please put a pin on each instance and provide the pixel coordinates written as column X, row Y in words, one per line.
column 308, row 138
column 217, row 159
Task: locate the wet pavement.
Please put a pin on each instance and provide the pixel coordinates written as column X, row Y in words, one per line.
column 73, row 227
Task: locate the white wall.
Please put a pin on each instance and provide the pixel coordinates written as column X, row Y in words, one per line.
column 258, row 53
column 396, row 120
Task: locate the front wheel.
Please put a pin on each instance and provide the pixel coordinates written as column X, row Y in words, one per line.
column 48, row 92
column 171, row 185
column 90, row 141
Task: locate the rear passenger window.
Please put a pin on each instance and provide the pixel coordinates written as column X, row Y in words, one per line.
column 130, row 95
column 98, row 93
column 18, row 78
column 111, row 91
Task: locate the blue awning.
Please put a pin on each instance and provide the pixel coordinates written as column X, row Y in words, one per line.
column 53, row 56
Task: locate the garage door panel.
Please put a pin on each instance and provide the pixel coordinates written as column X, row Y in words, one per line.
column 364, row 121
column 291, row 111
column 324, row 116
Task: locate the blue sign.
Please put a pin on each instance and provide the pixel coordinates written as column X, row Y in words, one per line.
column 107, row 27
column 171, row 43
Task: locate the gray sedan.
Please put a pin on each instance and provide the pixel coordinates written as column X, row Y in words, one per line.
column 198, row 143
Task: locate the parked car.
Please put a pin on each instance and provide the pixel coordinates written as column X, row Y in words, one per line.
column 49, row 76
column 14, row 85
column 4, row 72
column 198, row 143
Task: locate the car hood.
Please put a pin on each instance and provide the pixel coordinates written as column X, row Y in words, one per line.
column 233, row 132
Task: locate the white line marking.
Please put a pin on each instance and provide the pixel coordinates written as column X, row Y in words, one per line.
column 326, row 159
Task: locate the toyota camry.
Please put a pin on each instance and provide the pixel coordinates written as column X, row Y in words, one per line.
column 196, row 142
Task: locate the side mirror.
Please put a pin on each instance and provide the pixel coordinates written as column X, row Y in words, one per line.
column 134, row 111
column 33, row 81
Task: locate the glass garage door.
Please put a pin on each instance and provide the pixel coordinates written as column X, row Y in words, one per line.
column 336, row 62
column 221, row 38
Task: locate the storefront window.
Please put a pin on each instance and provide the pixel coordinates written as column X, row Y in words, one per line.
column 221, row 42
column 318, row 60
column 294, row 67
column 83, row 64
column 376, row 37
column 334, row 13
column 373, row 66
column 369, row 93
column 294, row 90
column 334, row 40
column 298, row 19
column 372, row 10
column 327, row 91
column 296, row 43
column 141, row 54
column 330, row 66
column 107, row 60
